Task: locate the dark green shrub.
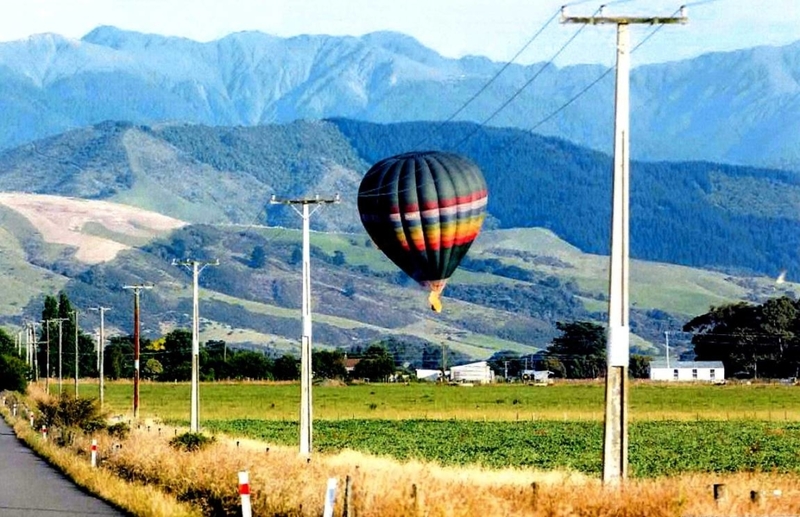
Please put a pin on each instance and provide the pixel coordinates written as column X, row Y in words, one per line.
column 120, row 430
column 69, row 416
column 191, row 441
column 14, row 374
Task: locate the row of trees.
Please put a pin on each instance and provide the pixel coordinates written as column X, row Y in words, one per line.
column 752, row 340
column 578, row 353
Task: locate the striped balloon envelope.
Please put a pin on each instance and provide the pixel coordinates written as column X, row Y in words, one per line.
column 424, row 210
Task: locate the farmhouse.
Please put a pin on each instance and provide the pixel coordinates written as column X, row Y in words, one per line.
column 479, row 372
column 711, row 371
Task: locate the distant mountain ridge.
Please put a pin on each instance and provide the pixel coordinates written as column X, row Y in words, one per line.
column 737, row 107
column 690, row 213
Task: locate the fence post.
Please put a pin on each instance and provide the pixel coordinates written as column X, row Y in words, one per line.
column 348, row 494
column 719, row 491
column 330, row 498
column 244, row 492
column 94, row 453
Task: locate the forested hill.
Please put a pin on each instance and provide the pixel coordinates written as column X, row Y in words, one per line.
column 691, row 213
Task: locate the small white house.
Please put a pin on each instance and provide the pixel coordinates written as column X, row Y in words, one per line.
column 429, row 375
column 479, row 372
column 709, row 371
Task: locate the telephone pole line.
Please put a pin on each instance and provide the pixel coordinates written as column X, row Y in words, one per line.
column 60, row 353
column 77, row 355
column 136, row 291
column 101, row 348
column 305, row 341
column 615, row 440
column 196, row 267
column 46, row 328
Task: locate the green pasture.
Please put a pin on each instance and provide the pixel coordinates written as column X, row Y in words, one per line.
column 564, row 401
column 675, row 428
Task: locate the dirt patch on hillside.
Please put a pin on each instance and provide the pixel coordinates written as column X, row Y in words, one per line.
column 62, row 220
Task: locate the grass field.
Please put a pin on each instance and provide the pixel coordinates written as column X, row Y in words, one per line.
column 675, row 428
column 571, row 401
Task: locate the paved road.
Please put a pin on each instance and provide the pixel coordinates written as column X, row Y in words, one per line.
column 29, row 487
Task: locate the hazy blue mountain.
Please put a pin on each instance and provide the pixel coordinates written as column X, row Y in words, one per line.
column 737, row 107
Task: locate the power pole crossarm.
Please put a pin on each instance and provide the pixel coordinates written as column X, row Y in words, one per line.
column 136, row 351
column 196, row 267
column 305, row 340
column 615, row 439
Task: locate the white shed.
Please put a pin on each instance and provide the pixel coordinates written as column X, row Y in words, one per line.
column 429, row 375
column 710, row 371
column 479, row 372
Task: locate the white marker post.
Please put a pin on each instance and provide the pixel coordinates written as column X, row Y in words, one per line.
column 244, row 492
column 30, row 415
column 330, row 498
column 44, row 432
column 94, row 453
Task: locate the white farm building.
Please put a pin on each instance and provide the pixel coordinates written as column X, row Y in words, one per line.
column 479, row 372
column 709, row 371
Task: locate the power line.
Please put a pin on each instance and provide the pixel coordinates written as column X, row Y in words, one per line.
column 524, row 86
column 490, row 81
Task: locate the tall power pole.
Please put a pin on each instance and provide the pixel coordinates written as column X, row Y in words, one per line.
column 46, row 328
column 136, row 291
column 615, row 436
column 305, row 341
column 77, row 355
column 196, row 267
column 60, row 353
column 101, row 348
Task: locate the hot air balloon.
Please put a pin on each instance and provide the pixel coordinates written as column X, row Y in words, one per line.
column 424, row 210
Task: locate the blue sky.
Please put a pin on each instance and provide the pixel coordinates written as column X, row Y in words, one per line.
column 493, row 28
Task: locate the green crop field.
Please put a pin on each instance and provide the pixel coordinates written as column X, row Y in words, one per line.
column 674, row 428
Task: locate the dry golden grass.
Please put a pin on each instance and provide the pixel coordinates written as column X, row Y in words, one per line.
column 283, row 483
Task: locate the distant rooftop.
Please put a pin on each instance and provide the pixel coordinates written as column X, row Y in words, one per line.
column 661, row 363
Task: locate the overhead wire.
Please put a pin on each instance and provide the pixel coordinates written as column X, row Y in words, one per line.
column 525, row 85
column 491, row 80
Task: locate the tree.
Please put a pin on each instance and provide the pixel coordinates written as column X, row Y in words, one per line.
column 377, row 364
column 7, row 344
column 118, row 358
column 639, row 367
column 506, row 360
column 761, row 340
column 328, row 364
column 258, row 258
column 286, row 368
column 246, row 364
column 152, row 368
column 177, row 356
column 581, row 348
column 14, row 374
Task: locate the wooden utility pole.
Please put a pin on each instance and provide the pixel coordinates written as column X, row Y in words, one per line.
column 60, row 354
column 77, row 353
column 196, row 267
column 136, row 290
column 305, row 340
column 615, row 439
column 101, row 348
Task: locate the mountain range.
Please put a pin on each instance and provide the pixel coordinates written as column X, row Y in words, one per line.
column 736, row 107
